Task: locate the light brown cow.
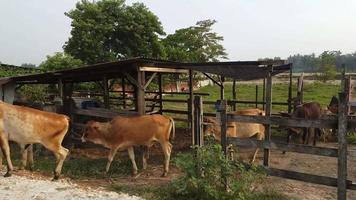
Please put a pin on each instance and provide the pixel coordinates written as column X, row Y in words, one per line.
column 238, row 129
column 28, row 126
column 123, row 133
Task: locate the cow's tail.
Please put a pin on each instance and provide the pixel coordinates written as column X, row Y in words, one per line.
column 172, row 127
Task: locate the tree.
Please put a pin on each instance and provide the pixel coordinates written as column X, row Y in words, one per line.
column 195, row 44
column 327, row 65
column 29, row 65
column 60, row 61
column 108, row 30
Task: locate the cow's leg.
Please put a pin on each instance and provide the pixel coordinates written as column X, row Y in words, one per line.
column 131, row 152
column 61, row 156
column 29, row 163
column 289, row 137
column 5, row 148
column 260, row 137
column 23, row 153
column 111, row 157
column 1, row 155
column 167, row 149
column 145, row 157
column 305, row 135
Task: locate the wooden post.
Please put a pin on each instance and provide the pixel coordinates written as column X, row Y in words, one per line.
column 300, row 90
column 268, row 113
column 264, row 94
column 234, row 94
column 343, row 76
column 342, row 147
column 222, row 91
column 123, row 85
column 106, row 92
column 290, row 90
column 221, row 108
column 256, row 97
column 160, row 90
column 140, row 93
column 198, row 119
column 191, row 105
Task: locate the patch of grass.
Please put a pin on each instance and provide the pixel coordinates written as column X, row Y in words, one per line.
column 351, row 138
column 78, row 168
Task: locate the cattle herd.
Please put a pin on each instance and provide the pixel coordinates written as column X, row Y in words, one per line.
column 27, row 126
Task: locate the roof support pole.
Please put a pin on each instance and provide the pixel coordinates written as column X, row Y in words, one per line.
column 106, row 92
column 234, row 94
column 290, row 90
column 140, row 93
column 191, row 105
column 222, row 90
column 160, row 90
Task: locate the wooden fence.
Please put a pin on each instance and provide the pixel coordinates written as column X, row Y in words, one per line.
column 342, row 122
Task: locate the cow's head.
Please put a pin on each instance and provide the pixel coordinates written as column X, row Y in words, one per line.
column 333, row 105
column 210, row 126
column 91, row 132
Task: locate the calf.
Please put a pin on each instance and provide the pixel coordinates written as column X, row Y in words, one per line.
column 238, row 129
column 28, row 126
column 123, row 133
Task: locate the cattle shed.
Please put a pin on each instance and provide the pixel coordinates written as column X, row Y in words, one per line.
column 140, row 73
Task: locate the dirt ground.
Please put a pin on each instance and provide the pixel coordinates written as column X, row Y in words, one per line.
column 318, row 165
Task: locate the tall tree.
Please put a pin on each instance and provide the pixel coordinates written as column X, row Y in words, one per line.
column 195, row 44
column 60, row 61
column 109, row 29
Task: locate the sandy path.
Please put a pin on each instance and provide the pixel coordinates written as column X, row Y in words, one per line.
column 26, row 188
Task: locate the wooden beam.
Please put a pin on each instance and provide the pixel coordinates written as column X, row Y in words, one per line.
column 150, row 80
column 212, row 79
column 290, row 92
column 123, row 85
column 163, row 70
column 310, row 178
column 133, row 80
column 234, row 94
column 198, row 121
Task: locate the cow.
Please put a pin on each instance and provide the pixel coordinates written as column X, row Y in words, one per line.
column 238, row 129
column 123, row 133
column 26, row 126
column 310, row 110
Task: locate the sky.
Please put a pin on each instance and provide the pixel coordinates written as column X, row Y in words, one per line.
column 252, row 29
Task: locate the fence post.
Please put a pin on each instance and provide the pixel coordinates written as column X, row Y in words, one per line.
column 198, row 118
column 290, row 90
column 256, row 97
column 198, row 131
column 234, row 94
column 268, row 113
column 221, row 108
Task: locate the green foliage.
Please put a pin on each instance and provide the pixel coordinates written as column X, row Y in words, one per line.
column 33, row 93
column 109, row 29
column 327, row 65
column 60, row 61
column 195, row 44
column 209, row 184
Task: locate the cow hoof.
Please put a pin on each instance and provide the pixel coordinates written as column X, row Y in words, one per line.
column 56, row 177
column 164, row 174
column 8, row 174
column 134, row 173
column 21, row 168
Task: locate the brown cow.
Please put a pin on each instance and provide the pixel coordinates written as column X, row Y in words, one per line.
column 311, row 110
column 123, row 133
column 238, row 129
column 28, row 126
